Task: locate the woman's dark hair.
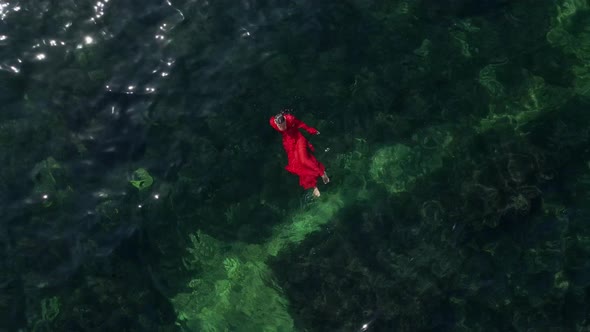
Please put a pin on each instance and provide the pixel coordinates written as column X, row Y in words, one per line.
column 279, row 118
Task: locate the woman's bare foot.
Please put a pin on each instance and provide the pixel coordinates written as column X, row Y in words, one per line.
column 325, row 178
column 316, row 192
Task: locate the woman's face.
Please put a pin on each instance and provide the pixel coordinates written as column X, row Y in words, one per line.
column 281, row 126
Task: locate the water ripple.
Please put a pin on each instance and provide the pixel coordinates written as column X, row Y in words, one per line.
column 86, row 82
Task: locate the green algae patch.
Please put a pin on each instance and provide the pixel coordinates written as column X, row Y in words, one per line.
column 141, row 179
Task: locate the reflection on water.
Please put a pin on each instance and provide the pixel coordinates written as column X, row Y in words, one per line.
column 84, row 84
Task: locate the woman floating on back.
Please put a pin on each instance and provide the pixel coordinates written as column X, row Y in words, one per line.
column 301, row 161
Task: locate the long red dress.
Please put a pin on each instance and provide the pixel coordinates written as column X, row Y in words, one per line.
column 301, row 161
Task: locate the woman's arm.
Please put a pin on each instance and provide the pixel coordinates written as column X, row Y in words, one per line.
column 300, row 124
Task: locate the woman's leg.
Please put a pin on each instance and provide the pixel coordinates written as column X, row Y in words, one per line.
column 307, row 159
column 310, row 162
column 316, row 192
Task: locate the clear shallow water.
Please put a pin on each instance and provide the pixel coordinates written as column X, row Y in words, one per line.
column 454, row 133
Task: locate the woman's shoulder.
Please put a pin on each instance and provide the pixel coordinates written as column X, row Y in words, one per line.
column 289, row 116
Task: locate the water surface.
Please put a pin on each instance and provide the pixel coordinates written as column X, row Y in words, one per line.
column 142, row 189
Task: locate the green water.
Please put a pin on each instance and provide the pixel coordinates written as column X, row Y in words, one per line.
column 142, row 189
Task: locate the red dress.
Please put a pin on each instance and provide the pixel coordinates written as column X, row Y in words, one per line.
column 301, row 161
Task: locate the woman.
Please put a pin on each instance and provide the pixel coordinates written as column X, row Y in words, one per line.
column 301, row 161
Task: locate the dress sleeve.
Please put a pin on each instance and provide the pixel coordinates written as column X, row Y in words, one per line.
column 300, row 124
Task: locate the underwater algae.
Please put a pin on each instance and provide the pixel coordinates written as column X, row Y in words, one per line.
column 457, row 139
column 236, row 290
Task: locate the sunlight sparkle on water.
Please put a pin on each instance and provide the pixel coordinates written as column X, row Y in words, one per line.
column 40, row 56
column 88, row 40
column 245, row 32
column 98, row 9
column 3, row 11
